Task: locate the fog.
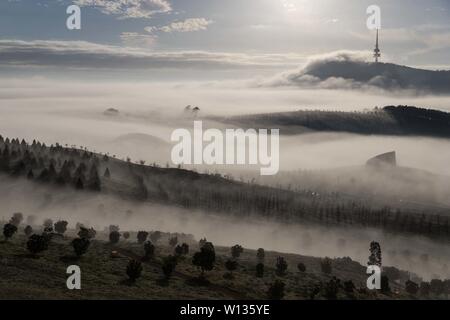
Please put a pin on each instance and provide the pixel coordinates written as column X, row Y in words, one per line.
column 415, row 254
column 71, row 112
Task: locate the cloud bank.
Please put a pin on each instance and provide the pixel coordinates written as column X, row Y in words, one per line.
column 128, row 8
column 351, row 70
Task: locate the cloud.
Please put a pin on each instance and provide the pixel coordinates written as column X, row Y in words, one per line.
column 188, row 25
column 351, row 70
column 134, row 39
column 88, row 55
column 128, row 8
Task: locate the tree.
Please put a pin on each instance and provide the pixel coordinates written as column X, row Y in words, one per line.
column 134, row 269
column 86, row 233
column 375, row 254
column 385, row 287
column 260, row 254
column 202, row 242
column 236, row 251
column 181, row 250
column 114, row 237
column 142, row 236
column 168, row 266
column 332, row 288
column 48, row 224
column 16, row 219
column 276, row 290
column 113, row 227
column 61, row 226
column 173, row 241
column 301, row 267
column 80, row 246
column 205, row 259
column 437, row 287
column 155, row 236
column 231, row 265
column 149, row 250
column 281, row 266
column 126, row 235
column 28, row 231
column 411, row 287
column 9, row 230
column 37, row 243
column 424, row 289
column 326, row 265
column 260, row 270
column 349, row 286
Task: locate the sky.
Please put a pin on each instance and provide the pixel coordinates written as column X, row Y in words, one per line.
column 252, row 36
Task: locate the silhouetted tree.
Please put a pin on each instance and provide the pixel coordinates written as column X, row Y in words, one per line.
column 424, row 289
column 86, row 233
column 149, row 250
column 114, row 237
column 281, row 266
column 126, row 235
column 231, row 265
column 173, row 241
column 80, row 246
column 28, row 231
column 332, row 288
column 349, row 286
column 37, row 243
column 134, row 269
column 276, row 290
column 260, row 270
column 61, row 226
column 260, row 254
column 236, row 251
column 202, row 242
column 16, row 219
column 326, row 265
column 114, row 228
column 437, row 287
column 375, row 254
column 9, row 230
column 411, row 287
column 142, row 236
column 385, row 287
column 301, row 267
column 168, row 266
column 155, row 236
column 205, row 259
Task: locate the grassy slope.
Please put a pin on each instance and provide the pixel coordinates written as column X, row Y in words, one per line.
column 103, row 277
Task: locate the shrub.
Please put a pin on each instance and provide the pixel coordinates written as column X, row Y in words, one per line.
column 332, row 288
column 86, row 233
column 385, row 288
column 28, row 231
column 155, row 236
column 173, row 241
column 142, row 236
column 134, row 270
column 236, row 251
column 260, row 254
column 437, row 287
column 411, row 287
column 114, row 237
column 349, row 286
column 126, row 235
column 326, row 265
column 37, row 243
column 260, row 270
column 281, row 266
column 80, row 246
column 16, row 219
column 205, row 259
column 9, row 230
column 149, row 250
column 301, row 267
column 276, row 290
column 61, row 227
column 231, row 265
column 425, row 289
column 168, row 266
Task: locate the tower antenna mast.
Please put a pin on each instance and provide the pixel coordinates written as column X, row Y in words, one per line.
column 377, row 51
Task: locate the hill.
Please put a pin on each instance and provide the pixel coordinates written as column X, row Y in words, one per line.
column 43, row 276
column 390, row 120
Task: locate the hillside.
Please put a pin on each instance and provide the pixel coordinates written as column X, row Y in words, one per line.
column 43, row 276
column 390, row 120
column 84, row 171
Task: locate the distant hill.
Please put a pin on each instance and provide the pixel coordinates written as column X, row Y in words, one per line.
column 390, row 120
column 346, row 71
